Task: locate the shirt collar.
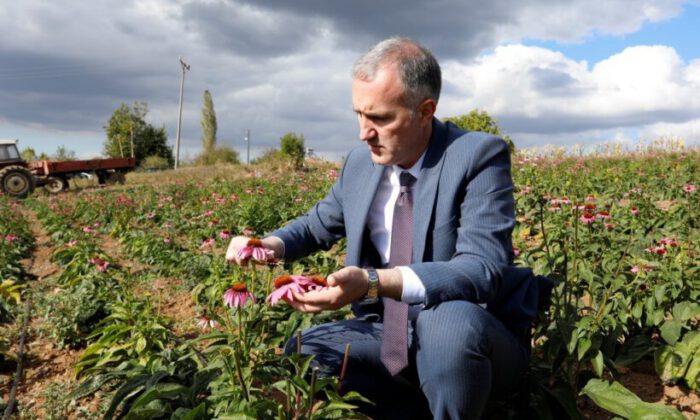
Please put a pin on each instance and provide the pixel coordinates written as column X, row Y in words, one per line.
column 413, row 170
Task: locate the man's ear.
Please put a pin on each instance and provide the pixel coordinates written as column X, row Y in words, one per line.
column 426, row 110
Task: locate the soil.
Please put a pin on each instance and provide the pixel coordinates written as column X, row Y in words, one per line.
column 47, row 365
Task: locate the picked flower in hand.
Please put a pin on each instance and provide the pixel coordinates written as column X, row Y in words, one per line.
column 287, row 285
column 255, row 249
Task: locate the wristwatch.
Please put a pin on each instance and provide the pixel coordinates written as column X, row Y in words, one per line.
column 372, row 295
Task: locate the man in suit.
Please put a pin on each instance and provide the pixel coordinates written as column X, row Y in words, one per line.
column 466, row 326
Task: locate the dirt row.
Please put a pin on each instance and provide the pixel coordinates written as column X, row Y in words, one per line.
column 48, row 369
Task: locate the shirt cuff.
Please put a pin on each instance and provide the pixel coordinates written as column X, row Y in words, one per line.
column 413, row 288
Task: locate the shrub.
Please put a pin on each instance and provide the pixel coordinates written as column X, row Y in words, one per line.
column 155, row 163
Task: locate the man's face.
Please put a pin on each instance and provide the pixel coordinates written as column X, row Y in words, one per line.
column 394, row 135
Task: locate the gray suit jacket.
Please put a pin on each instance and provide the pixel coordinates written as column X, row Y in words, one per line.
column 463, row 219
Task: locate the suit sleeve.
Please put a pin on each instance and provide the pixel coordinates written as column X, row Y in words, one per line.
column 483, row 244
column 319, row 228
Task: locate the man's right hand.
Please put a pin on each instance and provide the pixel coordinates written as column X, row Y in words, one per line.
column 273, row 243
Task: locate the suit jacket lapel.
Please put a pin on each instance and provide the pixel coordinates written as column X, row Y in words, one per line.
column 426, row 188
column 362, row 202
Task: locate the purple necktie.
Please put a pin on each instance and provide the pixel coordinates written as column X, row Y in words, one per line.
column 394, row 347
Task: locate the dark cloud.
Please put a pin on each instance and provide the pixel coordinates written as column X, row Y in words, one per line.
column 272, row 65
column 554, row 82
column 248, row 30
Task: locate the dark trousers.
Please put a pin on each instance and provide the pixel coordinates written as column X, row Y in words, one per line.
column 459, row 356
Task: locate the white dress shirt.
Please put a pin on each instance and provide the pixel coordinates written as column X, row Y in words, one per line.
column 380, row 219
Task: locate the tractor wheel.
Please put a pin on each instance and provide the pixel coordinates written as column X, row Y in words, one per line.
column 16, row 181
column 56, row 184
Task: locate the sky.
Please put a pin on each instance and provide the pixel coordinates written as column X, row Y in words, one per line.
column 550, row 71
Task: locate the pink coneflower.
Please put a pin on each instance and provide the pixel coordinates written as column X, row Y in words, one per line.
column 554, row 208
column 208, row 213
column 11, row 238
column 225, row 234
column 237, row 296
column 689, row 188
column 71, row 244
column 247, row 232
column 589, row 198
column 206, row 323
column 666, row 242
column 609, row 226
column 332, row 173
column 287, row 285
column 167, row 240
column 658, row 250
column 150, row 215
column 636, row 190
column 318, row 283
column 603, row 215
column 255, row 249
column 642, row 267
column 526, row 189
column 88, row 229
column 516, row 251
column 208, row 243
column 559, row 201
column 167, row 225
column 100, row 264
column 634, row 211
column 587, row 218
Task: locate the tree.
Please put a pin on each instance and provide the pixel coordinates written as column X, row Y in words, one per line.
column 128, row 126
column 29, row 154
column 62, row 153
column 292, row 145
column 478, row 120
column 208, row 123
column 223, row 154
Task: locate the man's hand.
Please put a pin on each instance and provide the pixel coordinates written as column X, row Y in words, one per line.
column 346, row 286
column 239, row 242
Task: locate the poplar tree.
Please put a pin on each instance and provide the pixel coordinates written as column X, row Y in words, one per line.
column 208, row 123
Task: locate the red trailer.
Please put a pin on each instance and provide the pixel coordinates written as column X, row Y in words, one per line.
column 18, row 177
column 54, row 175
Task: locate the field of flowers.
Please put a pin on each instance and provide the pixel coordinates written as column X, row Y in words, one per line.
column 158, row 325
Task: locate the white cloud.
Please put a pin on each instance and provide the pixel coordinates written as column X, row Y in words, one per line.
column 535, row 90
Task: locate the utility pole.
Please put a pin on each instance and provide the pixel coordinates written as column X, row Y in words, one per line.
column 184, row 67
column 247, row 140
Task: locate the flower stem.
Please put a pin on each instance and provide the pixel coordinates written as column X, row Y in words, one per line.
column 239, row 373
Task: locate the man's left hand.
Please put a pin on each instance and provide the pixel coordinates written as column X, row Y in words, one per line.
column 344, row 286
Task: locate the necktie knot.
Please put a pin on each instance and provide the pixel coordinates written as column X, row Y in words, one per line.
column 406, row 181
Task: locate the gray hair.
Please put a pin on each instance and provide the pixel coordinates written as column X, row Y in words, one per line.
column 419, row 71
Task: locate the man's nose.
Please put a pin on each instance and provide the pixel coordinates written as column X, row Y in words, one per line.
column 367, row 131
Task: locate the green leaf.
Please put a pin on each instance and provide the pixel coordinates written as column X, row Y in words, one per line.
column 670, row 363
column 684, row 311
column 583, row 345
column 671, row 331
column 634, row 349
column 617, row 399
column 598, row 363
column 692, row 375
column 154, row 409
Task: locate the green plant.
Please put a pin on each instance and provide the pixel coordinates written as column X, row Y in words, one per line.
column 71, row 314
